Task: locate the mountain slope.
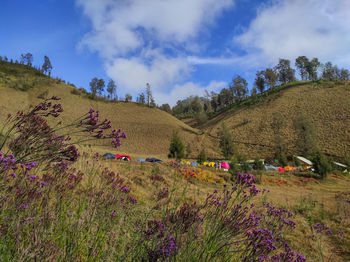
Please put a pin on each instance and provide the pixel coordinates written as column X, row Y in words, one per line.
column 327, row 105
column 148, row 129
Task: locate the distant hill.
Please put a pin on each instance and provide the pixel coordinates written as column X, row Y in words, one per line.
column 148, row 129
column 326, row 104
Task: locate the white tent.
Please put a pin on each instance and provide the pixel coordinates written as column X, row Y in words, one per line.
column 339, row 164
column 303, row 159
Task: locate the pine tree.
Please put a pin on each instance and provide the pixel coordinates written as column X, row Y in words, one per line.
column 177, row 148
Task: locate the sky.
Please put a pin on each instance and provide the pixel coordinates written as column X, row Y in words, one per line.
column 179, row 47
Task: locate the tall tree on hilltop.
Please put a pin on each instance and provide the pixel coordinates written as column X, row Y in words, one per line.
column 148, row 94
column 260, row 81
column 128, row 98
column 285, row 72
column 301, row 64
column 312, row 68
column 195, row 105
column 112, row 88
column 166, row 108
column 100, row 86
column 47, row 67
column 27, row 59
column 94, row 86
column 153, row 102
column 239, row 88
column 344, row 74
column 214, row 100
column 329, row 72
column 141, row 98
column 271, row 77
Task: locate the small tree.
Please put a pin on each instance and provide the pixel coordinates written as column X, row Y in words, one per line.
column 285, row 72
column 271, row 77
column 177, row 148
column 152, row 103
column 47, row 67
column 112, row 88
column 94, row 86
column 226, row 142
column 128, row 98
column 100, row 86
column 321, row 164
column 27, row 59
column 148, row 94
column 301, row 64
column 306, row 131
column 239, row 88
column 166, row 108
column 202, row 157
column 141, row 98
column 312, row 68
column 260, row 81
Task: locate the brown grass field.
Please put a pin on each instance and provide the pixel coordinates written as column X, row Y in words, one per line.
column 327, row 105
column 311, row 201
column 149, row 131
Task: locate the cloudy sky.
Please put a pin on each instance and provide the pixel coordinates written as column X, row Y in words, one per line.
column 180, row 47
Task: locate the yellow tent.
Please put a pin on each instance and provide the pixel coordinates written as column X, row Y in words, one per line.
column 211, row 164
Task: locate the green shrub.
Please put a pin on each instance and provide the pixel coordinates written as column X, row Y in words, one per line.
column 321, row 164
column 75, row 92
column 177, row 148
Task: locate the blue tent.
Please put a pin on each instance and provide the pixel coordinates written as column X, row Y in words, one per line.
column 154, row 160
column 140, row 160
column 194, row 164
column 109, row 156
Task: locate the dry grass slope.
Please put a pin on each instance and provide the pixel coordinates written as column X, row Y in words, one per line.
column 148, row 129
column 327, row 105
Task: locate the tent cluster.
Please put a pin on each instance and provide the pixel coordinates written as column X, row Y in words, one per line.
column 116, row 157
column 151, row 160
column 218, row 165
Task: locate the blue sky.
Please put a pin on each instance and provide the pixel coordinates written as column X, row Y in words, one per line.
column 180, row 47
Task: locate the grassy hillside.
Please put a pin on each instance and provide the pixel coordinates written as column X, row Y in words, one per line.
column 148, row 129
column 326, row 104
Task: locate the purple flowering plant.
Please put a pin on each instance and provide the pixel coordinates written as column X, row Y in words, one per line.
column 29, row 136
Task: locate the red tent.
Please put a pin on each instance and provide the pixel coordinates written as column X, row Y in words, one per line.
column 122, row 157
column 281, row 169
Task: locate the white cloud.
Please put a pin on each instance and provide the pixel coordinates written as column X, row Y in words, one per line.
column 182, row 91
column 133, row 73
column 132, row 36
column 121, row 26
column 290, row 28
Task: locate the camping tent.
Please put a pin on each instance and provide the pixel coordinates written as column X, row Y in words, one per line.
column 211, row 164
column 109, row 156
column 123, row 157
column 280, row 169
column 154, row 160
column 270, row 168
column 340, row 165
column 225, row 165
column 140, row 160
column 304, row 160
column 194, row 164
